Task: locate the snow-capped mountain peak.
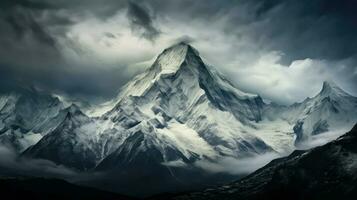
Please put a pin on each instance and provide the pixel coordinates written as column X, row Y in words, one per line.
column 330, row 88
column 332, row 110
column 26, row 115
column 180, row 73
column 179, row 90
column 171, row 59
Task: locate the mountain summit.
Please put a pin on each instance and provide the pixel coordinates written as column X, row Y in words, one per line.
column 172, row 58
column 330, row 88
column 331, row 110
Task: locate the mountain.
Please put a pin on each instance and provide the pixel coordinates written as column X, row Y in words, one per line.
column 60, row 145
column 325, row 172
column 176, row 113
column 179, row 95
column 170, row 124
column 26, row 116
column 178, row 109
column 332, row 110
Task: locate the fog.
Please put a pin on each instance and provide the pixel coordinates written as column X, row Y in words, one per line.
column 236, row 166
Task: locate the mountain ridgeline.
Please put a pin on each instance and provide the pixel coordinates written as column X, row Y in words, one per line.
column 177, row 113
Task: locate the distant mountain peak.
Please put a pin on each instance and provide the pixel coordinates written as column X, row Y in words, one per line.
column 330, row 88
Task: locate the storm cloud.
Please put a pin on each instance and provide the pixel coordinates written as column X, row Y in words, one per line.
column 282, row 50
column 141, row 21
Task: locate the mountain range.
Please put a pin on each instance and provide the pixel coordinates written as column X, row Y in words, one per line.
column 295, row 177
column 166, row 122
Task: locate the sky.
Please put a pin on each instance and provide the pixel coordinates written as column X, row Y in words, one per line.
column 280, row 49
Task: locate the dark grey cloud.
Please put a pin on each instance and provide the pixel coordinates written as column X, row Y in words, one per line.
column 109, row 35
column 23, row 24
column 38, row 36
column 27, row 46
column 25, row 3
column 322, row 29
column 91, row 83
column 31, row 53
column 141, row 21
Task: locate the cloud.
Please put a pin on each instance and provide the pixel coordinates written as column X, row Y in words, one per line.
column 288, row 84
column 90, row 49
column 11, row 164
column 141, row 21
column 321, row 139
column 282, row 84
column 24, row 36
column 305, row 29
column 235, row 166
column 23, row 23
column 25, row 3
column 110, row 35
column 185, row 38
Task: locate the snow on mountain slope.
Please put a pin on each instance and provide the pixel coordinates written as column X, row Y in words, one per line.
column 63, row 136
column 179, row 89
column 332, row 110
column 278, row 134
column 180, row 71
column 78, row 141
column 176, row 143
column 27, row 115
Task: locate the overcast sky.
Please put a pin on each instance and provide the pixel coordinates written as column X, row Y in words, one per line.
column 280, row 49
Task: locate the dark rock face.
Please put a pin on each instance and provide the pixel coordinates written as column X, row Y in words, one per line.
column 325, row 172
column 298, row 131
